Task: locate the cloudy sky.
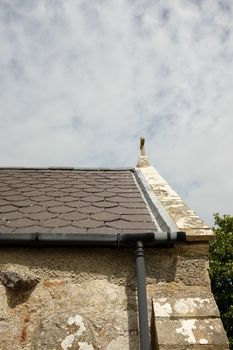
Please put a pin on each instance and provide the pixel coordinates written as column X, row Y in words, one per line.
column 81, row 81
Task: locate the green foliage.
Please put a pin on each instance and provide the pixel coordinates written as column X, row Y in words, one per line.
column 221, row 270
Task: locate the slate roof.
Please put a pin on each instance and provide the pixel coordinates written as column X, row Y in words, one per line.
column 72, row 201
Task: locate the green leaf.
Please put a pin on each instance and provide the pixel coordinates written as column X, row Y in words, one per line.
column 221, row 270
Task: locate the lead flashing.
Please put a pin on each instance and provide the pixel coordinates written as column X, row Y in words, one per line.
column 163, row 219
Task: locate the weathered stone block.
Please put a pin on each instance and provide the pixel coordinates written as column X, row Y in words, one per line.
column 192, row 271
column 185, row 307
column 191, row 333
column 188, row 323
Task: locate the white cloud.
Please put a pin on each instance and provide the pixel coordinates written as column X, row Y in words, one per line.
column 81, row 81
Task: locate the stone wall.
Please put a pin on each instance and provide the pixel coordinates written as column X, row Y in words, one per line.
column 86, row 299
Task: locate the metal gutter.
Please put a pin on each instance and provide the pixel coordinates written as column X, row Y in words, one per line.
column 115, row 240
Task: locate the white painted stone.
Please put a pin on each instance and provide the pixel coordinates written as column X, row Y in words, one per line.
column 68, row 342
column 162, row 300
column 189, row 305
column 70, row 320
column 181, row 307
column 186, row 330
column 203, row 341
column 85, row 346
column 162, row 310
column 78, row 321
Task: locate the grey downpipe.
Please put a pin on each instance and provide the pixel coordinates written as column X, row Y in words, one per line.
column 142, row 297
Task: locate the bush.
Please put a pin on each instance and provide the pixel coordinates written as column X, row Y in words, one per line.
column 221, row 270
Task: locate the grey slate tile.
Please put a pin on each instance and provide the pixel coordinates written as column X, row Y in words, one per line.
column 7, row 208
column 76, row 216
column 91, row 199
column 56, row 222
column 105, row 204
column 88, row 223
column 23, row 222
column 3, row 202
column 14, row 198
column 61, row 209
column 124, row 210
column 77, row 204
column 32, row 229
column 32, row 209
column 44, row 215
column 69, row 229
column 102, row 229
column 119, row 199
column 123, row 224
column 5, row 229
column 50, row 203
column 24, row 203
column 105, row 216
column 90, row 209
column 12, row 215
column 71, row 201
column 66, row 199
column 136, row 218
column 41, row 198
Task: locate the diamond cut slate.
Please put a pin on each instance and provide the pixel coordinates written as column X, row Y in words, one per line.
column 53, row 222
column 32, row 209
column 139, row 218
column 11, row 215
column 104, row 204
column 76, row 216
column 71, row 201
column 24, row 222
column 88, row 223
column 60, row 209
column 7, row 208
column 104, row 216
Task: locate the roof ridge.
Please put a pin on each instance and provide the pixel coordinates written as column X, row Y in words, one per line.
column 68, row 168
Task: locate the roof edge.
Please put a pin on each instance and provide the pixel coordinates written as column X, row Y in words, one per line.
column 163, row 219
column 69, row 168
column 181, row 215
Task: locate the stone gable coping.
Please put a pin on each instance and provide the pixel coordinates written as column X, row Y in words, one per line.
column 183, row 217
